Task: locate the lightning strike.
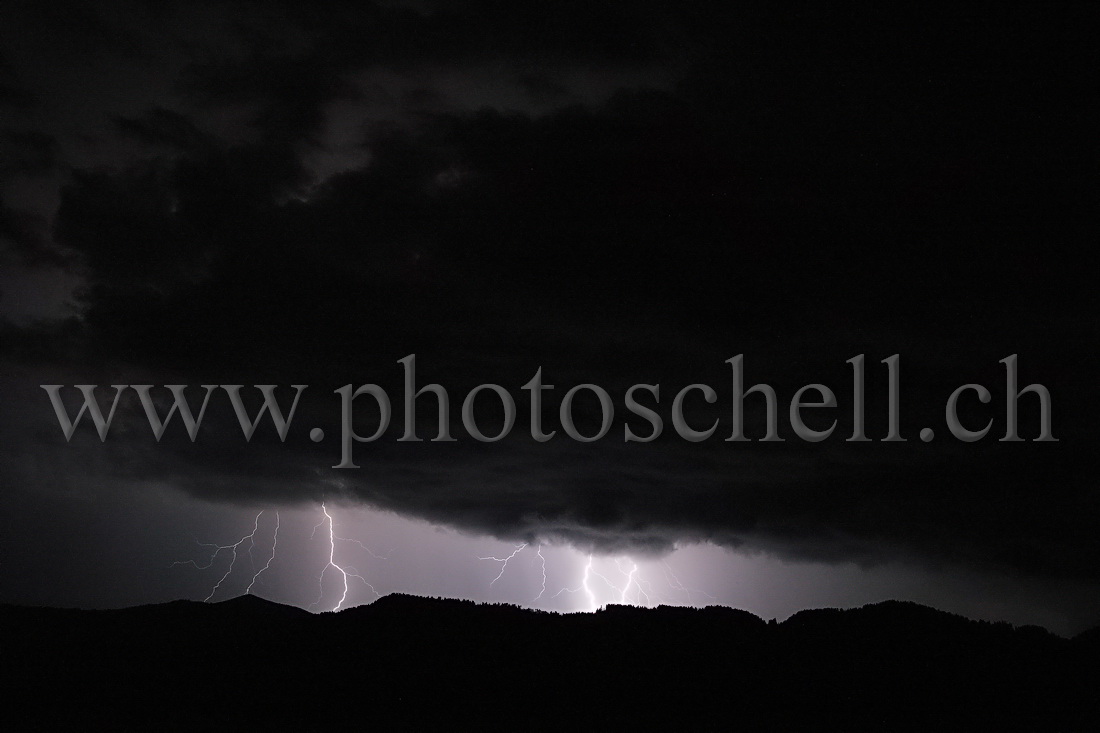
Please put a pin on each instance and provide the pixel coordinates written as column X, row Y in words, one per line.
column 675, row 584
column 584, row 584
column 631, row 580
column 650, row 592
column 354, row 573
column 603, row 577
column 503, row 561
column 543, row 559
column 331, row 563
column 251, row 536
column 370, row 552
column 274, row 544
column 637, row 590
column 592, row 605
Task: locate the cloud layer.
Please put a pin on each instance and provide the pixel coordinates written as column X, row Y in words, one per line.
column 612, row 195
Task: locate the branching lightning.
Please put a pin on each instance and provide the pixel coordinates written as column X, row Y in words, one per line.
column 251, row 536
column 584, row 584
column 588, row 570
column 631, row 580
column 636, row 590
column 370, row 552
column 592, row 605
column 602, row 577
column 504, row 562
column 650, row 592
column 675, row 584
column 274, row 544
column 345, row 573
column 543, row 559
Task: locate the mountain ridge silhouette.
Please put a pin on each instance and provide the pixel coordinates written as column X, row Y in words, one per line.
column 441, row 663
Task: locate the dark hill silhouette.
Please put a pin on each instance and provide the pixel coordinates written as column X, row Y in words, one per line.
column 421, row 662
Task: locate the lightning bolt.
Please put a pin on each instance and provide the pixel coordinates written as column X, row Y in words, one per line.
column 675, row 584
column 252, row 537
column 345, row 573
column 584, row 584
column 592, row 605
column 543, row 559
column 331, row 562
column 353, row 573
column 603, row 577
column 649, row 592
column 631, row 580
column 218, row 549
column 370, row 552
column 274, row 544
column 504, row 561
column 637, row 590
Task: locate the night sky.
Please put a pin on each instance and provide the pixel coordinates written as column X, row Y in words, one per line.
column 616, row 193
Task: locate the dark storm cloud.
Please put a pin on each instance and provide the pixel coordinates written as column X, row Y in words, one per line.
column 38, row 151
column 24, row 240
column 860, row 197
column 573, row 32
column 293, row 76
column 73, row 24
column 18, row 229
column 14, row 96
column 160, row 127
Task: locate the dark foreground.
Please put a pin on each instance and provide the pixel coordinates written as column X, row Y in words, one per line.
column 414, row 663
